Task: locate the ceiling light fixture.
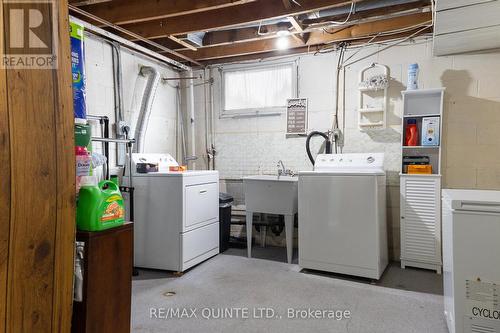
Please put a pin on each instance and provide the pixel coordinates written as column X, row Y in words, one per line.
column 282, row 42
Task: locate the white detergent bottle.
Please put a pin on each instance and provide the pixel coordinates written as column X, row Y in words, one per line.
column 412, row 77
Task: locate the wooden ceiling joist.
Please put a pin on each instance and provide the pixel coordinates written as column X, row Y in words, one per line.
column 356, row 31
column 364, row 14
column 295, row 23
column 239, row 35
column 250, row 33
column 252, row 12
column 304, row 49
column 370, row 28
column 134, row 11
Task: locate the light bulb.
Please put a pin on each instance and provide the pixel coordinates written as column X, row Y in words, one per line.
column 282, row 43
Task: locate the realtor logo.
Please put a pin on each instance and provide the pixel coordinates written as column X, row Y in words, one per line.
column 31, row 37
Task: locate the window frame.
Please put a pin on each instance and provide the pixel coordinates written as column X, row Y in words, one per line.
column 261, row 111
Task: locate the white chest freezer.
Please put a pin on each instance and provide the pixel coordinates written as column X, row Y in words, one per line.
column 471, row 260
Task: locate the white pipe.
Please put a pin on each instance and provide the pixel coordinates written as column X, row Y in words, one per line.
column 192, row 121
column 212, row 119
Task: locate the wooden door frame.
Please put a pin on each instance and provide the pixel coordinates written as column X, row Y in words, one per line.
column 42, row 243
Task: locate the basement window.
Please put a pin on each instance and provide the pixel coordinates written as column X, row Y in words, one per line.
column 258, row 90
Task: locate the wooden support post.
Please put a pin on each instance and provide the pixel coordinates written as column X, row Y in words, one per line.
column 37, row 177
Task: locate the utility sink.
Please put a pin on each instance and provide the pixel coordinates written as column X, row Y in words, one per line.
column 272, row 195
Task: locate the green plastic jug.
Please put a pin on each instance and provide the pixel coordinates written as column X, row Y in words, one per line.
column 100, row 206
column 83, row 135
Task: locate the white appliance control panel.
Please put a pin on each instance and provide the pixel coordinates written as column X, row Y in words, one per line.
column 344, row 162
column 164, row 161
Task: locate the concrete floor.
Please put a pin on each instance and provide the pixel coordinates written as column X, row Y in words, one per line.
column 402, row 301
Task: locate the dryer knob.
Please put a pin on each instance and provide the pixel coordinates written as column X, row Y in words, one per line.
column 370, row 159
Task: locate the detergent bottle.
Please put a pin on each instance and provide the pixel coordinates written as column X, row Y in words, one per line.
column 100, row 206
column 83, row 165
column 411, row 136
column 412, row 77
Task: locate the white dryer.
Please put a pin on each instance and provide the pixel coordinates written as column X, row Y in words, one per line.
column 342, row 215
column 176, row 215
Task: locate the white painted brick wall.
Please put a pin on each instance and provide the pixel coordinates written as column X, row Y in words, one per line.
column 471, row 154
column 161, row 132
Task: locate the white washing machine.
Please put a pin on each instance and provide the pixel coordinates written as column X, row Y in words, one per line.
column 176, row 215
column 342, row 215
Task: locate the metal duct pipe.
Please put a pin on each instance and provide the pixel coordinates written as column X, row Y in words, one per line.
column 146, row 105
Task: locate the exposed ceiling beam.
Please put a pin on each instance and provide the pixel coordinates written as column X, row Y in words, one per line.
column 316, row 37
column 250, row 33
column 370, row 28
column 125, row 32
column 252, row 12
column 363, row 14
column 255, row 56
column 183, row 43
column 237, row 35
column 133, row 11
column 287, row 4
column 295, row 23
column 301, row 50
column 86, row 2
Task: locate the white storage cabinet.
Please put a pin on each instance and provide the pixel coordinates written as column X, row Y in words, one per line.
column 421, row 193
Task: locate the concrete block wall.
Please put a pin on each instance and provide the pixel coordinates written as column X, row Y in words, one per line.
column 161, row 135
column 471, row 145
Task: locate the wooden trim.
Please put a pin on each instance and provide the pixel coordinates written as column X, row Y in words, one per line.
column 4, row 190
column 66, row 200
column 41, row 224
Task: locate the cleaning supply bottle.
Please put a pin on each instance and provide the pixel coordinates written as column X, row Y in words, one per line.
column 82, row 135
column 100, row 206
column 412, row 77
column 83, row 164
column 411, row 133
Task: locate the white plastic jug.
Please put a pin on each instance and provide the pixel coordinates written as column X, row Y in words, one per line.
column 412, row 77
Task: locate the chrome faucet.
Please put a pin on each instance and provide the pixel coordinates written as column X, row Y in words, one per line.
column 282, row 171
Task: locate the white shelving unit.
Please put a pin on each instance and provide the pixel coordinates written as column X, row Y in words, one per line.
column 421, row 194
column 372, row 116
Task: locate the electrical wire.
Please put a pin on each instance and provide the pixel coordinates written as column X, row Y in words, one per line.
column 328, row 48
column 388, row 46
column 261, row 33
column 336, row 23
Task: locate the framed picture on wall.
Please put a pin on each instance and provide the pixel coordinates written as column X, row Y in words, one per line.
column 296, row 116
